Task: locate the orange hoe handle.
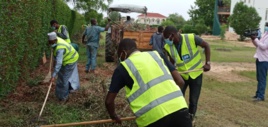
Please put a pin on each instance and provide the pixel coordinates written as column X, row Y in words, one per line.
column 89, row 122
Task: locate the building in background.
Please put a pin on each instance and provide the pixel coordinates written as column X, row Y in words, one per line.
column 223, row 12
column 151, row 18
column 221, row 15
column 261, row 7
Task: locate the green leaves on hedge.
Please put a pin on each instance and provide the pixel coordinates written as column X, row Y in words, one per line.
column 23, row 36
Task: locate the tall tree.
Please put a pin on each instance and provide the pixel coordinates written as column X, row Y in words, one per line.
column 243, row 18
column 177, row 20
column 168, row 23
column 87, row 5
column 93, row 14
column 203, row 9
column 90, row 7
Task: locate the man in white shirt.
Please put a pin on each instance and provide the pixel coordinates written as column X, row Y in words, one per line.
column 261, row 56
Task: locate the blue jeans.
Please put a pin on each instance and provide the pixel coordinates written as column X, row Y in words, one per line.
column 261, row 68
column 194, row 90
column 92, row 57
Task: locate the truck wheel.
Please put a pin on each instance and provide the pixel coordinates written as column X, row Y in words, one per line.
column 109, row 53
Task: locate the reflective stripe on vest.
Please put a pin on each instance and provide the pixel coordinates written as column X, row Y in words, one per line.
column 174, row 53
column 154, row 93
column 70, row 56
column 193, row 62
column 68, row 37
column 153, row 82
column 66, row 54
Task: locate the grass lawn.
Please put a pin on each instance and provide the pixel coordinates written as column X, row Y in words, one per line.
column 229, row 104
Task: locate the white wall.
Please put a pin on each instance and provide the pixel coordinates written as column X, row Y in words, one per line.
column 260, row 5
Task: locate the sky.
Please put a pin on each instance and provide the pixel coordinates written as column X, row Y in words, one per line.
column 164, row 7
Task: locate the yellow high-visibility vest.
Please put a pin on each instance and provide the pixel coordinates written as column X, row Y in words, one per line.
column 68, row 37
column 154, row 93
column 191, row 58
column 70, row 55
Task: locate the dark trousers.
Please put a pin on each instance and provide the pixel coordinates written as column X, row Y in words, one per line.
column 261, row 68
column 179, row 118
column 194, row 92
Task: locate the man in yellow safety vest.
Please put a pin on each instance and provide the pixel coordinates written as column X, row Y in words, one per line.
column 61, row 30
column 183, row 52
column 66, row 58
column 152, row 87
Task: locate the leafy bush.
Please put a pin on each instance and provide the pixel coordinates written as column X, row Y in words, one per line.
column 200, row 28
column 223, row 30
column 189, row 29
column 244, row 17
column 23, row 36
column 168, row 23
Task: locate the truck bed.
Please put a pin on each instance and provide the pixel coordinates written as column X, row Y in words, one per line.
column 142, row 38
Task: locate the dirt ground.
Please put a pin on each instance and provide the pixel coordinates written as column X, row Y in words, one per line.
column 224, row 72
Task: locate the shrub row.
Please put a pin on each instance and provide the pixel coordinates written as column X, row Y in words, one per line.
column 23, row 36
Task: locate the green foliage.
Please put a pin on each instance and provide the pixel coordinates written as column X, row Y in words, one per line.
column 87, row 5
column 177, row 19
column 223, row 30
column 189, row 29
column 243, row 18
column 227, row 3
column 168, row 23
column 24, row 36
column 115, row 16
column 75, row 27
column 200, row 27
column 93, row 14
column 103, row 22
column 204, row 9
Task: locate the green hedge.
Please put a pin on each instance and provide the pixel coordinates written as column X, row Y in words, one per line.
column 189, row 29
column 23, row 36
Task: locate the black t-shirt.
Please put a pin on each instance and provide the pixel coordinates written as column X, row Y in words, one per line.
column 121, row 77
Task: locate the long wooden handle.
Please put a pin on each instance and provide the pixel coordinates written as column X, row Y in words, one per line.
column 89, row 122
column 201, row 69
column 50, row 64
column 48, row 91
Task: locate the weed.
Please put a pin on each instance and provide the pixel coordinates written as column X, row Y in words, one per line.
column 34, row 81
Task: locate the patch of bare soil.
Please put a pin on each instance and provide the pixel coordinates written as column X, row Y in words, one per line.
column 104, row 72
column 225, row 72
column 228, row 36
column 25, row 93
column 210, row 37
column 231, row 36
